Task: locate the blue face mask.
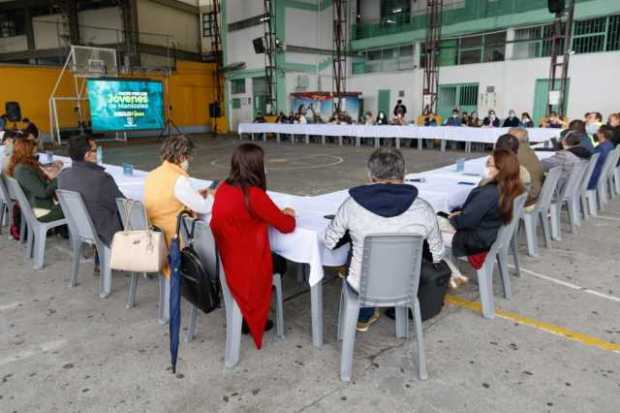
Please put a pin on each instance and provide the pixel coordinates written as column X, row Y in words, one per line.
column 591, row 128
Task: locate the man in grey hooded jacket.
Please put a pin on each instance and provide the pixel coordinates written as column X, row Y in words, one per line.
column 386, row 204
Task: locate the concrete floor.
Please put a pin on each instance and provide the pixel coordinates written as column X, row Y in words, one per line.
column 66, row 350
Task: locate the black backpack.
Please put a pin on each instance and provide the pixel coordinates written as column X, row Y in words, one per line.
column 198, row 286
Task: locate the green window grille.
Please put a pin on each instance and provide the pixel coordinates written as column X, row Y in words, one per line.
column 613, row 33
column 237, row 86
column 236, row 103
column 589, row 35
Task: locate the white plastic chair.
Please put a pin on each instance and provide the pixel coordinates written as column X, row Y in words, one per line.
column 583, row 191
column 390, row 277
column 133, row 217
column 499, row 253
column 204, row 245
column 36, row 230
column 6, row 204
column 571, row 197
column 541, row 212
column 597, row 197
column 82, row 232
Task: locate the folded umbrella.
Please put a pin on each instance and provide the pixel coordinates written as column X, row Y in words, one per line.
column 174, row 260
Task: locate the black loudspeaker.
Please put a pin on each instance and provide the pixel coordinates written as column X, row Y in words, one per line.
column 215, row 110
column 556, row 6
column 259, row 45
column 13, row 111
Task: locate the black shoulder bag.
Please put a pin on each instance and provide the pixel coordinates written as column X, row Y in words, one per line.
column 198, row 286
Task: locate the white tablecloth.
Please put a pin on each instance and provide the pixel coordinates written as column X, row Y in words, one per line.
column 444, row 188
column 449, row 133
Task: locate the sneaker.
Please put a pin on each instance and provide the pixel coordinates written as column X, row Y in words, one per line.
column 362, row 326
column 245, row 329
column 457, row 280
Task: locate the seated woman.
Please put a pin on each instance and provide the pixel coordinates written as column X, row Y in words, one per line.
column 39, row 184
column 168, row 190
column 242, row 215
column 473, row 229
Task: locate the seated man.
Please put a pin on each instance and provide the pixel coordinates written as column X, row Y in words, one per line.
column 455, row 120
column 98, row 189
column 605, row 146
column 528, row 159
column 383, row 205
column 571, row 154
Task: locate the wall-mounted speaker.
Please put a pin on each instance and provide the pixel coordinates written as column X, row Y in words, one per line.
column 556, row 6
column 13, row 111
column 259, row 45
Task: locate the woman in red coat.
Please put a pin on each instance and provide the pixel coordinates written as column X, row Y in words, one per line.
column 241, row 216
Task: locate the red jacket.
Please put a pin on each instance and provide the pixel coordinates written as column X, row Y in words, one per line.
column 243, row 243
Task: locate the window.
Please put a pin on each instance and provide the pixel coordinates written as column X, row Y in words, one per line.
column 494, row 47
column 237, row 86
column 390, row 59
column 589, row 35
column 527, row 43
column 613, row 33
column 470, row 50
column 236, row 103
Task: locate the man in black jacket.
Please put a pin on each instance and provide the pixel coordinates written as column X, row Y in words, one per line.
column 98, row 189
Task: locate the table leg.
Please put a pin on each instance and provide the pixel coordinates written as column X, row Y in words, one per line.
column 398, row 143
column 357, row 141
column 322, row 139
column 443, row 145
column 252, row 136
column 316, row 299
column 307, row 139
column 340, row 140
column 420, row 144
column 278, row 137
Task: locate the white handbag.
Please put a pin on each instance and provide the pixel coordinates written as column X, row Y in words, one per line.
column 138, row 250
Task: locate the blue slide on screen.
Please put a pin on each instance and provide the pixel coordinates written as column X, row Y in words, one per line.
column 125, row 105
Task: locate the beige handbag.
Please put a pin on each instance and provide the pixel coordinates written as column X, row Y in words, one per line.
column 138, row 250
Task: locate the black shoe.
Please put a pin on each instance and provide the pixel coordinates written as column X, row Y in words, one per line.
column 245, row 329
column 391, row 313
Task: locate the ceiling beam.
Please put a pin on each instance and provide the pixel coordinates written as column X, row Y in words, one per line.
column 179, row 5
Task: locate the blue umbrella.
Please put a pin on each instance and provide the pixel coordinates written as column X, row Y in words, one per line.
column 174, row 260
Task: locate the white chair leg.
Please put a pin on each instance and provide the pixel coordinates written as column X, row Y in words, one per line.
column 233, row 335
column 106, row 271
column 544, row 219
column 133, row 286
column 554, row 213
column 277, row 283
column 529, row 221
column 485, row 286
column 316, row 305
column 401, row 321
column 515, row 255
column 502, row 264
column 75, row 265
column 419, row 336
column 164, row 299
column 191, row 330
column 351, row 314
column 583, row 200
column 39, row 247
column 341, row 313
column 592, row 208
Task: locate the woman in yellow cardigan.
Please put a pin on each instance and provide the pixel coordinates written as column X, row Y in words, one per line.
column 168, row 189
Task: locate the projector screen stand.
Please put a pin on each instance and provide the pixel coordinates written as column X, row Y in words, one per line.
column 169, row 128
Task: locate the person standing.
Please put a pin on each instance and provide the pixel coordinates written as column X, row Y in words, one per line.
column 400, row 109
column 528, row 159
column 242, row 215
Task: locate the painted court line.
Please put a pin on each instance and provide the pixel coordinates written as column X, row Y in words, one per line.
column 584, row 339
column 570, row 285
column 608, row 218
column 5, row 307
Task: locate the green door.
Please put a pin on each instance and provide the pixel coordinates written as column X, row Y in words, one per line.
column 384, row 103
column 541, row 94
column 462, row 96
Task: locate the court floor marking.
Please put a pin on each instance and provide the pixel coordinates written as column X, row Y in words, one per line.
column 38, row 349
column 570, row 285
column 5, row 307
column 550, row 328
column 607, row 217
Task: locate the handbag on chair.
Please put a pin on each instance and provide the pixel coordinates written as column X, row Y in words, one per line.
column 138, row 250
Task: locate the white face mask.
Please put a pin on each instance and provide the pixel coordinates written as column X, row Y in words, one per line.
column 591, row 128
column 185, row 165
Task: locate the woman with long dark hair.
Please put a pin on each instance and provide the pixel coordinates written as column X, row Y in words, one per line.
column 473, row 229
column 39, row 185
column 241, row 217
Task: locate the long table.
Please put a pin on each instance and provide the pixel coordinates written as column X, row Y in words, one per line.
column 376, row 132
column 444, row 188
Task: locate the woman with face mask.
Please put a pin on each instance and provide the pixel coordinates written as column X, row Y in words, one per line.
column 491, row 121
column 168, row 190
column 473, row 229
column 526, row 120
column 512, row 121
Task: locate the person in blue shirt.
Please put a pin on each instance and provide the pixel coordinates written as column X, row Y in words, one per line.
column 605, row 146
column 455, row 120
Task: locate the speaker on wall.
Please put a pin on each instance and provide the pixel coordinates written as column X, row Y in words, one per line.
column 13, row 111
column 215, row 110
column 259, row 45
column 556, row 6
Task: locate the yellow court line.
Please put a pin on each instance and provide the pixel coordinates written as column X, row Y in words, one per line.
column 540, row 325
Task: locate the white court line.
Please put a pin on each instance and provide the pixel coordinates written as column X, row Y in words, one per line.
column 40, row 349
column 10, row 306
column 570, row 285
column 607, row 218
